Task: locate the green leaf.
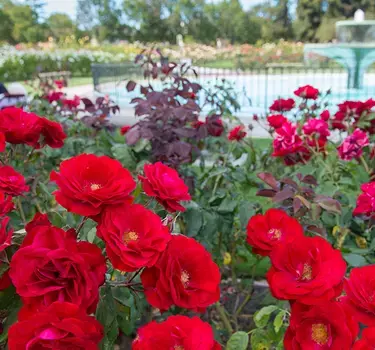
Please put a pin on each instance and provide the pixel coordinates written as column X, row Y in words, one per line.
column 91, row 235
column 106, row 314
column 262, row 316
column 259, row 340
column 194, row 221
column 124, row 154
column 355, row 260
column 278, row 321
column 238, row 341
column 227, row 206
column 246, row 211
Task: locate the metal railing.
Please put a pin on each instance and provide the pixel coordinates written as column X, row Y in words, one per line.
column 256, row 88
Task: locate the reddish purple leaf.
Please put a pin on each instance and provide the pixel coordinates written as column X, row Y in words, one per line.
column 269, row 179
column 130, row 86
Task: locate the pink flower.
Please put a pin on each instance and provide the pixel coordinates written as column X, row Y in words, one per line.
column 307, row 92
column 366, row 200
column 316, row 126
column 353, row 145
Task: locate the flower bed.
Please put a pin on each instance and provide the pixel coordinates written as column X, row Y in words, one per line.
column 132, row 236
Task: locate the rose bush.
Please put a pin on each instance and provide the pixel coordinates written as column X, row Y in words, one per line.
column 95, row 221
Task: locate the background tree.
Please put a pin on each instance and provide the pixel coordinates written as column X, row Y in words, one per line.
column 309, row 19
column 60, row 25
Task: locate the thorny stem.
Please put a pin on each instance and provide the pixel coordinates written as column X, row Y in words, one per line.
column 365, row 165
column 220, row 309
column 20, row 209
column 135, row 275
column 82, row 223
column 218, row 178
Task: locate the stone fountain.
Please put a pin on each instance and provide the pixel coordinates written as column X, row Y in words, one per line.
column 354, row 48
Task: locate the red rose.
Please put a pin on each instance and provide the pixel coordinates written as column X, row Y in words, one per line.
column 164, row 183
column 307, row 92
column 197, row 124
column 366, row 200
column 55, row 96
column 307, row 269
column 359, row 289
column 237, row 133
column 59, row 83
column 51, row 265
column 276, row 227
column 177, row 332
column 53, row 133
column 125, row 129
column 185, row 275
column 6, row 204
column 353, row 145
column 61, row 326
column 20, row 127
column 325, row 115
column 5, row 234
column 12, row 182
column 134, row 236
column 87, row 183
column 282, row 105
column 215, row 125
column 71, row 103
column 316, row 127
column 368, row 340
column 339, row 121
column 326, row 326
column 276, row 120
column 2, row 142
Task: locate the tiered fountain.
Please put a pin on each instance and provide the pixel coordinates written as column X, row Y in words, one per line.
column 354, row 49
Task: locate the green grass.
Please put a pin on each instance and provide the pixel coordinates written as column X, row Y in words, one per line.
column 75, row 81
column 224, row 63
column 261, row 143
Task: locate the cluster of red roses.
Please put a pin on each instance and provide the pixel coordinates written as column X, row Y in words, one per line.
column 295, row 142
column 58, row 277
column 309, row 273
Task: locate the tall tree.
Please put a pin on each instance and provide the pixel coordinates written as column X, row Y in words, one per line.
column 60, row 25
column 6, row 27
column 309, row 18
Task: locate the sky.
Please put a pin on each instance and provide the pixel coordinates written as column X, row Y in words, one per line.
column 69, row 6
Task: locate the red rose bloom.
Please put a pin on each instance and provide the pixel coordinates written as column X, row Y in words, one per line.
column 237, row 133
column 307, row 269
column 308, row 92
column 6, row 204
column 134, row 236
column 12, row 182
column 125, row 129
column 59, row 83
column 61, row 326
column 215, row 125
column 197, row 124
column 51, row 265
column 326, row 326
column 325, row 115
column 164, row 183
column 366, row 200
column 177, row 332
column 55, row 96
column 2, row 142
column 5, row 234
column 53, row 133
column 275, row 227
column 359, row 289
column 316, row 127
column 276, row 120
column 71, row 103
column 88, row 183
column 20, row 127
column 185, row 275
column 368, row 340
column 353, row 145
column 282, row 105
